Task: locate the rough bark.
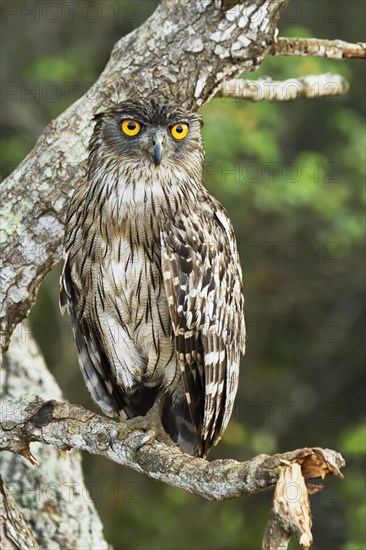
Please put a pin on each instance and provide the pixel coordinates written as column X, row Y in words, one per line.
column 14, row 530
column 183, row 52
column 52, row 498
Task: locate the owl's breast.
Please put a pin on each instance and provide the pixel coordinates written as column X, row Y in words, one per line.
column 132, row 278
column 134, row 292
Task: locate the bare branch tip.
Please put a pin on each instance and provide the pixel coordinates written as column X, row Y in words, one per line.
column 317, row 47
column 266, row 89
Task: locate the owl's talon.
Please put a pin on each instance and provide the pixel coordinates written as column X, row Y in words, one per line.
column 152, row 425
column 139, row 423
column 113, row 436
column 150, row 435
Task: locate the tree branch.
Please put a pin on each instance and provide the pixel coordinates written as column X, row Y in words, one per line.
column 69, row 426
column 316, row 47
column 266, row 89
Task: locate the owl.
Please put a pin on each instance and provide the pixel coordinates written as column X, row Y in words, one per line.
column 152, row 278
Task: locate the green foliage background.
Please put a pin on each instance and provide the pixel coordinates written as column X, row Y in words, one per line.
column 292, row 179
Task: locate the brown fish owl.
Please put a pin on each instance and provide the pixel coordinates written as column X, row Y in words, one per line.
column 152, row 277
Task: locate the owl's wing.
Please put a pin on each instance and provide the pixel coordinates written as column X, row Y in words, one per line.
column 94, row 363
column 203, row 283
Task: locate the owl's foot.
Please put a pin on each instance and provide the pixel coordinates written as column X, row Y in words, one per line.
column 151, row 424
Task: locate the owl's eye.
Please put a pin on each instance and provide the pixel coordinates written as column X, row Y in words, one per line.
column 179, row 130
column 130, row 127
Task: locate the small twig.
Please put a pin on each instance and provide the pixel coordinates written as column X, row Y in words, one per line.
column 63, row 425
column 266, row 89
column 309, row 47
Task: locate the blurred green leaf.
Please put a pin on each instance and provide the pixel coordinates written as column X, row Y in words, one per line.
column 353, row 440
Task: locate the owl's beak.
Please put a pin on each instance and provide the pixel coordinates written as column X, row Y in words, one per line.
column 157, row 152
column 157, row 147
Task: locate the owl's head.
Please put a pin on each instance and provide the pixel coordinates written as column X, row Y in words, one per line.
column 150, row 134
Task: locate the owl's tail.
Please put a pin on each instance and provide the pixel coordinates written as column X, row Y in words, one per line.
column 177, row 422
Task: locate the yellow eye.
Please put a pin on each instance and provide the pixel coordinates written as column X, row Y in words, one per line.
column 130, row 127
column 179, row 130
